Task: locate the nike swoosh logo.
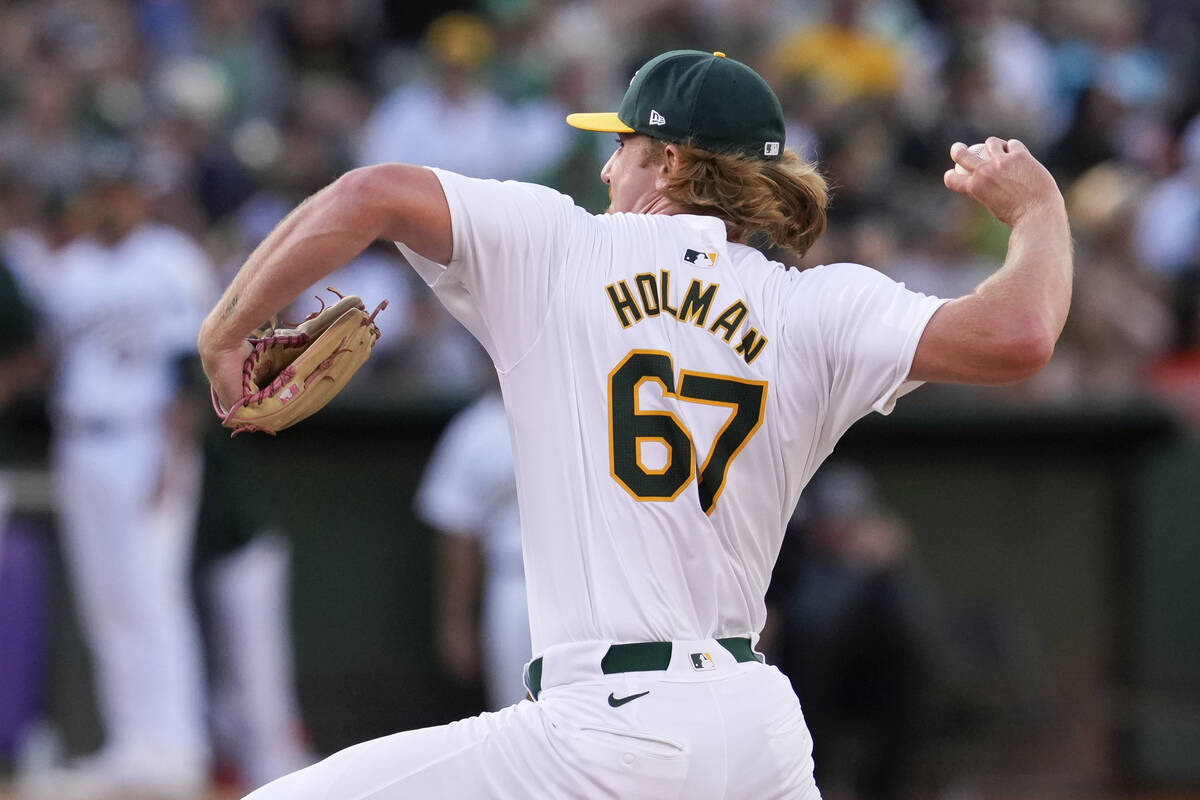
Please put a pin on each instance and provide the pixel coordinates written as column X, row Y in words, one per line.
column 617, row 702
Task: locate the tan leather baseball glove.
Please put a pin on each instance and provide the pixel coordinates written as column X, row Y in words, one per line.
column 293, row 372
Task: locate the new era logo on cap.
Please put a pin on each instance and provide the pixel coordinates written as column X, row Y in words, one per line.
column 698, row 258
column 657, row 118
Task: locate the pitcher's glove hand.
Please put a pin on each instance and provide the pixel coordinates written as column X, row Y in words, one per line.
column 292, row 372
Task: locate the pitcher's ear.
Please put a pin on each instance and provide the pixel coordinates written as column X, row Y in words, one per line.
column 670, row 160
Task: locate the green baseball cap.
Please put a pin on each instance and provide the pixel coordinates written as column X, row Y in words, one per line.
column 702, row 99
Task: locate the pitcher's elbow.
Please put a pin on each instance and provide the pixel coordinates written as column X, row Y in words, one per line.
column 358, row 186
column 1029, row 351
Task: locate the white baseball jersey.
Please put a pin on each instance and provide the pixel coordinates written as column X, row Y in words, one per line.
column 121, row 315
column 669, row 393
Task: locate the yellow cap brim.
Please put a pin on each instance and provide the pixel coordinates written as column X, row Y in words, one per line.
column 605, row 121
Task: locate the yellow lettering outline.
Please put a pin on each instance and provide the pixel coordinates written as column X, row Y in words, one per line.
column 762, row 412
column 612, row 453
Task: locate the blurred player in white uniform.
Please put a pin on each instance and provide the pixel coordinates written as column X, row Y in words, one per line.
column 123, row 304
column 243, row 561
column 469, row 496
column 670, row 391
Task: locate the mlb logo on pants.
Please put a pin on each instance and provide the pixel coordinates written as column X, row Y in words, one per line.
column 703, row 661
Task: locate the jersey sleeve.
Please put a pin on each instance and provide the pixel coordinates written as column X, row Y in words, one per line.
column 448, row 496
column 510, row 243
column 869, row 328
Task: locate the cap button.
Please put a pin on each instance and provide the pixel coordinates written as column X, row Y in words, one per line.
column 718, row 54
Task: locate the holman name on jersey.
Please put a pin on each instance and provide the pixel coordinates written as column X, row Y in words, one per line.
column 651, row 296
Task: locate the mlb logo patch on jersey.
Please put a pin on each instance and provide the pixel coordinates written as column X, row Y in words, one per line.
column 703, row 661
column 698, row 258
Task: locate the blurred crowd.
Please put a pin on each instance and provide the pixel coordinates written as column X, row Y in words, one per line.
column 136, row 133
column 237, row 109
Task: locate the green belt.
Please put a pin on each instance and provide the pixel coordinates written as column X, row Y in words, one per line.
column 643, row 657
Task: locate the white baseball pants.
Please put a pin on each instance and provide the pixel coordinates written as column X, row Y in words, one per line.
column 702, row 728
column 255, row 713
column 129, row 562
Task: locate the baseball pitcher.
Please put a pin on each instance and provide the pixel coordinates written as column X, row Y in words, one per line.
column 669, row 392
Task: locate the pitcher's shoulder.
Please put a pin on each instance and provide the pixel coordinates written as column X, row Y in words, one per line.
column 836, row 275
